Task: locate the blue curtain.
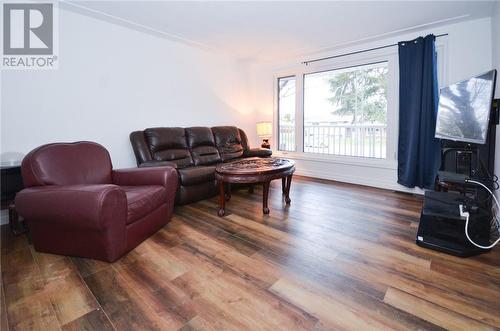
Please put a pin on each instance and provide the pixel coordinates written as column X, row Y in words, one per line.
column 418, row 150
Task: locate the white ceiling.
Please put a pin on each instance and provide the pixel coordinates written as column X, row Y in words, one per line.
column 265, row 31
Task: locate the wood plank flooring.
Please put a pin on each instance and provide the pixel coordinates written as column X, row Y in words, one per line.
column 340, row 257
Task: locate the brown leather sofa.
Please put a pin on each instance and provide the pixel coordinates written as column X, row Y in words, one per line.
column 194, row 152
column 76, row 204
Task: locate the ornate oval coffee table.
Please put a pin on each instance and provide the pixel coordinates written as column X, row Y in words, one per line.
column 254, row 171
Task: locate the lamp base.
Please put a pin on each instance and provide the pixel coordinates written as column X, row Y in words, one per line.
column 265, row 144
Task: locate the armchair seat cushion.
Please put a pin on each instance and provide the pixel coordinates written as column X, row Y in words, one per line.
column 142, row 200
column 196, row 175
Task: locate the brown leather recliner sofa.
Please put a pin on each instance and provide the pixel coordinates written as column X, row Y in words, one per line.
column 194, row 152
column 76, row 204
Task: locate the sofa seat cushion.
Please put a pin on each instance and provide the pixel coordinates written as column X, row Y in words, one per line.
column 181, row 157
column 196, row 175
column 142, row 200
column 205, row 155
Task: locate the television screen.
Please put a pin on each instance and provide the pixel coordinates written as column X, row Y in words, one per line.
column 464, row 109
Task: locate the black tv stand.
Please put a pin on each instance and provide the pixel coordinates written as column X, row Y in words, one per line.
column 441, row 226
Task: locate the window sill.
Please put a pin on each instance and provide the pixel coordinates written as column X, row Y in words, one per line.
column 345, row 160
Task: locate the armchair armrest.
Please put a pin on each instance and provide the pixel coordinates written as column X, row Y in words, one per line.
column 164, row 176
column 79, row 206
column 149, row 164
column 258, row 152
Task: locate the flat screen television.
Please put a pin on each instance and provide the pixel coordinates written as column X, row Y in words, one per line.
column 464, row 109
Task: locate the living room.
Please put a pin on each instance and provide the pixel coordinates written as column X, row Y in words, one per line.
column 249, row 165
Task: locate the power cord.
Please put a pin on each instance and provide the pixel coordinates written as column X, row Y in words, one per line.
column 466, row 214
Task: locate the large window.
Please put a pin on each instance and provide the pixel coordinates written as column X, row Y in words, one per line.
column 342, row 110
column 286, row 112
column 345, row 111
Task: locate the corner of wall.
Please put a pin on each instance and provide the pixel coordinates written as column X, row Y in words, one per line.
column 495, row 43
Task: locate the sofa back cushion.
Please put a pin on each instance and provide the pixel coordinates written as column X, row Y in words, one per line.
column 169, row 144
column 244, row 140
column 202, row 144
column 82, row 162
column 228, row 142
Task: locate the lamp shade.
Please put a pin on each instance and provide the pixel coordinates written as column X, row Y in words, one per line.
column 264, row 129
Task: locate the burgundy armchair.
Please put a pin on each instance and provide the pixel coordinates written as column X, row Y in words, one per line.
column 75, row 204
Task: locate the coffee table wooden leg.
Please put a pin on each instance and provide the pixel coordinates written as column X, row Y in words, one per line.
column 283, row 185
column 265, row 209
column 287, row 189
column 228, row 191
column 222, row 199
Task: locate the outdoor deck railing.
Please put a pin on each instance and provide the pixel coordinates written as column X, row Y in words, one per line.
column 343, row 139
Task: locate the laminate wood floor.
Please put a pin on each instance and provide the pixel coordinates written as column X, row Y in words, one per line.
column 339, row 257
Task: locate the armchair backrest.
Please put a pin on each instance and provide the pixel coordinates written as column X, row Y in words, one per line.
column 82, row 162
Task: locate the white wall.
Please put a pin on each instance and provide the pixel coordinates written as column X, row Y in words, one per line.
column 467, row 51
column 113, row 80
column 495, row 27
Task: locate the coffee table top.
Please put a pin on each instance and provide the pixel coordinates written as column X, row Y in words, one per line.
column 254, row 166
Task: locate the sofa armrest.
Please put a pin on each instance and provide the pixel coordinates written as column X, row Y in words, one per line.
column 95, row 207
column 164, row 176
column 151, row 164
column 258, row 152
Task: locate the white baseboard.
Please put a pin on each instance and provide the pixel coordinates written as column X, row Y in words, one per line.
column 373, row 182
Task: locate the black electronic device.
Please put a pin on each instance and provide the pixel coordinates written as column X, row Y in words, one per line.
column 466, row 124
column 452, row 177
column 464, row 162
column 464, row 109
column 442, row 228
column 11, row 180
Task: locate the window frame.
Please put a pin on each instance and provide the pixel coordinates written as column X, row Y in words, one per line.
column 388, row 54
column 276, row 132
column 385, row 55
column 343, row 68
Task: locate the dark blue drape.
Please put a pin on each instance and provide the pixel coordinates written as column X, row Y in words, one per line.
column 418, row 150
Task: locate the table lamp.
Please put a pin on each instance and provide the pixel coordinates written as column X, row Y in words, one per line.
column 265, row 131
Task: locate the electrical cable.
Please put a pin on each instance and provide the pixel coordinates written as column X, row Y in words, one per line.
column 497, row 225
column 493, row 179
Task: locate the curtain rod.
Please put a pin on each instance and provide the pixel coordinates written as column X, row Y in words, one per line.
column 358, row 52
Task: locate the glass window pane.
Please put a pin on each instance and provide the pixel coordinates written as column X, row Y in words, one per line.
column 286, row 112
column 345, row 111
